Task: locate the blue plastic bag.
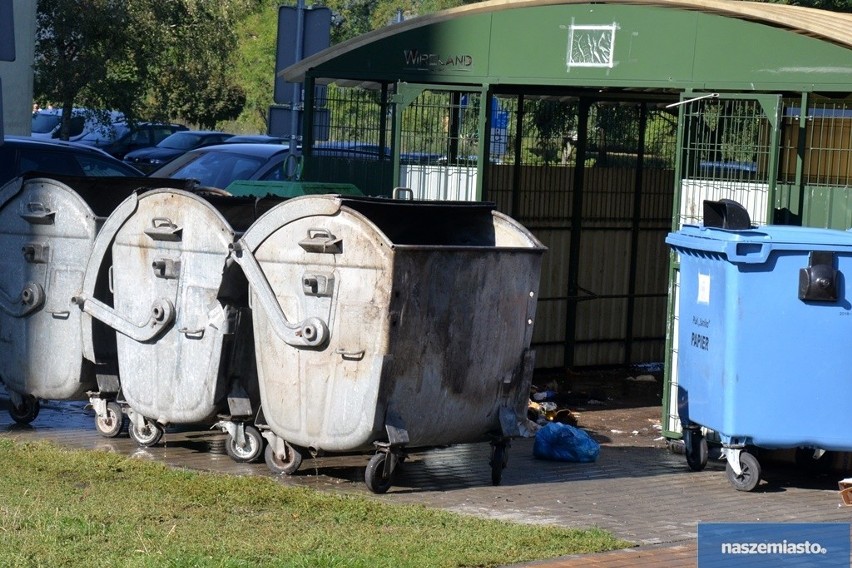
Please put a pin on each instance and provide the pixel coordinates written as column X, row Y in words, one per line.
column 563, row 442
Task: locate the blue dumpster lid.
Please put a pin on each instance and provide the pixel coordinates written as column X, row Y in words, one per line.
column 754, row 245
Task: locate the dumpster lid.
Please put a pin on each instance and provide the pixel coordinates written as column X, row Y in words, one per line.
column 768, row 237
column 253, row 188
column 104, row 194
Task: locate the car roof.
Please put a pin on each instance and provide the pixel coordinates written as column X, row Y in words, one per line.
column 51, row 143
column 203, row 132
column 248, row 149
column 263, row 138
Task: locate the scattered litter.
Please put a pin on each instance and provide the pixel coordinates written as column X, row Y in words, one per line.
column 548, row 411
column 595, row 402
column 642, row 379
column 616, row 432
column 544, row 395
column 635, row 432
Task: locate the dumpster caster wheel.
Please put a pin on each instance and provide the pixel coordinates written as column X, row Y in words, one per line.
column 750, row 476
column 286, row 466
column 110, row 425
column 695, row 448
column 25, row 412
column 376, row 476
column 252, row 450
column 147, row 434
column 499, row 460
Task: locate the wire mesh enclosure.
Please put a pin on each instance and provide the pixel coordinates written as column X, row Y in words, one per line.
column 593, row 180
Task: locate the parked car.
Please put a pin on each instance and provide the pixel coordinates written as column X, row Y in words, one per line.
column 47, row 123
column 123, row 137
column 257, row 139
column 354, row 150
column 19, row 155
column 218, row 166
column 149, row 159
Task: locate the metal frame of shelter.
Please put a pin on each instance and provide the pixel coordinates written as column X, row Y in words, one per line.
column 601, row 126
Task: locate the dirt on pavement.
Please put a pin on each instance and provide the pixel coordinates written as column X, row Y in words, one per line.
column 618, row 407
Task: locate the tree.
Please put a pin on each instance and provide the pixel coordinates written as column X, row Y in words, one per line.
column 85, row 53
column 145, row 58
column 257, row 36
column 193, row 74
column 355, row 17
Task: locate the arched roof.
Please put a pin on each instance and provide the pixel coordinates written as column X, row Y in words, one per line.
column 829, row 28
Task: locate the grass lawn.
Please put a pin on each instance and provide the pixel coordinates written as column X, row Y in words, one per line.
column 62, row 507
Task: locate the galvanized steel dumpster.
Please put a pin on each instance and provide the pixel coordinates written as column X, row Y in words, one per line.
column 386, row 324
column 180, row 313
column 47, row 230
column 764, row 318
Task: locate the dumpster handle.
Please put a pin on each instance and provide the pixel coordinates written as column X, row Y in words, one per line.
column 162, row 314
column 748, row 253
column 311, row 332
column 405, row 193
column 38, row 214
column 346, row 354
column 192, row 333
column 164, row 229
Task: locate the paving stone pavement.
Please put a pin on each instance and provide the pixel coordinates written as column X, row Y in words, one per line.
column 645, row 495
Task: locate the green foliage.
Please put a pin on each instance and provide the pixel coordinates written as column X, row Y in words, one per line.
column 84, row 55
column 145, row 58
column 257, row 37
column 831, row 5
column 352, row 18
column 66, row 507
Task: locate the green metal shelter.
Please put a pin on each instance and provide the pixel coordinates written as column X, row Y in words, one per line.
column 601, row 126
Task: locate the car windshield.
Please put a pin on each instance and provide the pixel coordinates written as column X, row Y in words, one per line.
column 180, row 141
column 105, row 133
column 44, row 123
column 218, row 169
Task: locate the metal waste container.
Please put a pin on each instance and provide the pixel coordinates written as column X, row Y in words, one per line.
column 389, row 324
column 183, row 329
column 763, row 318
column 47, row 229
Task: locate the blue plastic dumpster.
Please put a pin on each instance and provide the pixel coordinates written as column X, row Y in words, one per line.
column 764, row 318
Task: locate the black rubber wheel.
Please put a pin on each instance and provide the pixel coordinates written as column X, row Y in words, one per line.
column 252, row 450
column 147, row 434
column 499, row 460
column 750, row 476
column 110, row 425
column 374, row 476
column 285, row 467
column 26, row 412
column 695, row 449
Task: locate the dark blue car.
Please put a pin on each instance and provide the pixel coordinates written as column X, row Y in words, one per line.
column 179, row 143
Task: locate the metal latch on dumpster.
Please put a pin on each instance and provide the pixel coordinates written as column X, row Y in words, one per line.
column 317, row 284
column 166, row 268
column 818, row 282
column 36, row 253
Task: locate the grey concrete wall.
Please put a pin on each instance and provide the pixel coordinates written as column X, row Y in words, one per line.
column 17, row 76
